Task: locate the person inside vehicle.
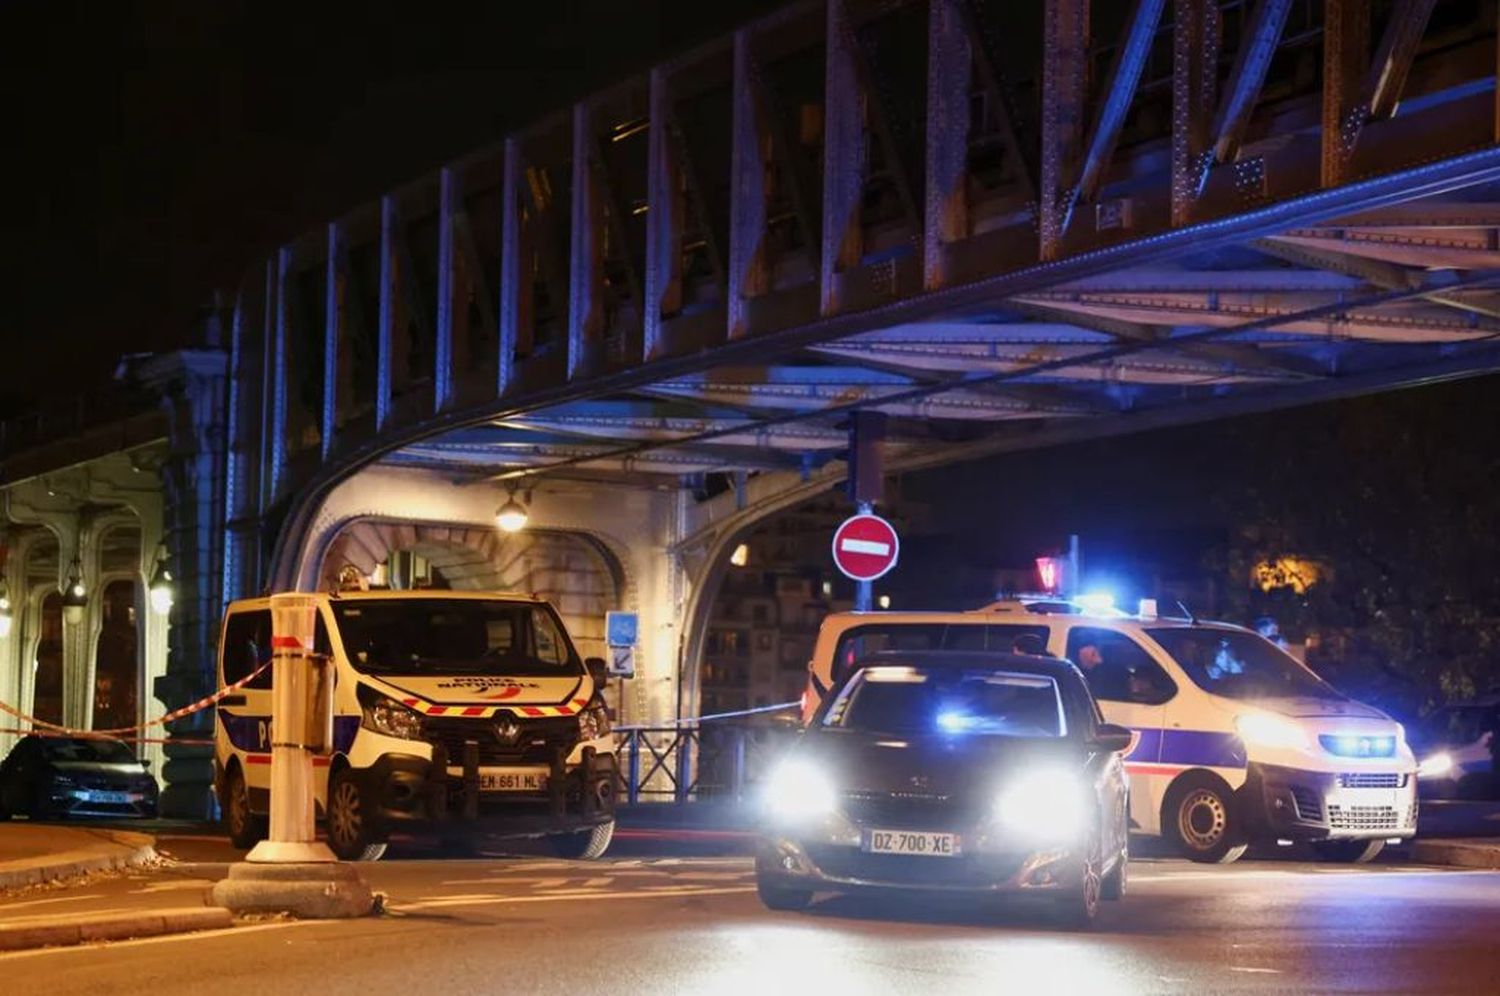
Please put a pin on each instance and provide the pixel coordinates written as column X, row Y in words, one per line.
column 1029, row 644
column 1111, row 680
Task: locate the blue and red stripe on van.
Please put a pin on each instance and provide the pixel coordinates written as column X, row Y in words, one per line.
column 1166, row 752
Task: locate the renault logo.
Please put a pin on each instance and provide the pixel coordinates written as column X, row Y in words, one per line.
column 508, row 731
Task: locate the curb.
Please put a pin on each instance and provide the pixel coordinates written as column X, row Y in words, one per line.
column 131, row 849
column 1457, row 853
column 115, row 927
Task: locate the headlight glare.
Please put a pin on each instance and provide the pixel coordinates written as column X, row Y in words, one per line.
column 391, row 718
column 1435, row 765
column 1265, row 729
column 1045, row 806
column 798, row 791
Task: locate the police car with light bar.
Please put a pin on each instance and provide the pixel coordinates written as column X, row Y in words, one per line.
column 1235, row 740
column 456, row 713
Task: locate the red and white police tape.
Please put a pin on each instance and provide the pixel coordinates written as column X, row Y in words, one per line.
column 117, row 733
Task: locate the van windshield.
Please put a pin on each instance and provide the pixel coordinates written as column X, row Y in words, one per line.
column 442, row 636
column 1240, row 665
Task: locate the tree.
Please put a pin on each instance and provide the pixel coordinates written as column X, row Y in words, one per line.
column 1395, row 494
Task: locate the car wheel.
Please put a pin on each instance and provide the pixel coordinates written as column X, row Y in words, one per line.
column 1201, row 818
column 1114, row 884
column 245, row 829
column 584, row 845
column 1079, row 908
column 781, row 897
column 351, row 827
column 1355, row 852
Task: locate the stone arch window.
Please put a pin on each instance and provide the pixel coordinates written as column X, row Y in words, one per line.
column 117, row 658
column 47, row 689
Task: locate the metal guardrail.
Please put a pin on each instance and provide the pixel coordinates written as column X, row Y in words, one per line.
column 719, row 759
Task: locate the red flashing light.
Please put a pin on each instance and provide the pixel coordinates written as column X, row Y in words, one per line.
column 1049, row 573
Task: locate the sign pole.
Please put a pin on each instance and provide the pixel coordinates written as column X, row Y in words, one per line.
column 864, row 590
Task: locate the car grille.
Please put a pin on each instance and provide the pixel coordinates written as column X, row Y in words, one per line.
column 900, row 869
column 538, row 741
column 902, row 810
column 1365, row 818
column 1372, row 780
column 1309, row 805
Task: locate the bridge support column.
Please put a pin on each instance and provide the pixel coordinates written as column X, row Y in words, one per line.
column 192, row 387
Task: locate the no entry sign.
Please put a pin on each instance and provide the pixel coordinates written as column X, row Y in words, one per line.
column 865, row 547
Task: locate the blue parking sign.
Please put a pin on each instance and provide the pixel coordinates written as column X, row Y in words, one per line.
column 622, row 629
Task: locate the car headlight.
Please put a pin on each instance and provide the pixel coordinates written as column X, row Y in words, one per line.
column 1049, row 805
column 391, row 718
column 1435, row 765
column 593, row 722
column 798, row 791
column 1266, row 729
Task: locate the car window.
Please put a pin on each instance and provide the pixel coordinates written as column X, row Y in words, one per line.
column 860, row 642
column 1117, row 668
column 1239, row 664
column 443, row 636
column 105, row 751
column 949, row 701
column 247, row 645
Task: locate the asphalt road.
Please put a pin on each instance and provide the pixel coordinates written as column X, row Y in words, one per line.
column 649, row 924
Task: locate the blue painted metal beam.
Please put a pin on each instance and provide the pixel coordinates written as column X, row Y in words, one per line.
column 1118, row 93
column 442, row 361
column 390, row 305
column 335, row 286
column 1247, row 77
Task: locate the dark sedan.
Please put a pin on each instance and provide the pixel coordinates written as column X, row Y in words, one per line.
column 57, row 777
column 983, row 773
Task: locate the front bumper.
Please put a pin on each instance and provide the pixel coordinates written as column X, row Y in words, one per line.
column 829, row 855
column 789, row 862
column 418, row 793
column 1294, row 804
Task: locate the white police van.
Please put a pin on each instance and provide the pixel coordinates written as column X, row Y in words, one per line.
column 455, row 714
column 1236, row 741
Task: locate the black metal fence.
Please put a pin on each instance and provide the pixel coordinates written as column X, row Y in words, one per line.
column 720, row 762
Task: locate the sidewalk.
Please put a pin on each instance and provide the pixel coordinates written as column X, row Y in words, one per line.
column 33, row 854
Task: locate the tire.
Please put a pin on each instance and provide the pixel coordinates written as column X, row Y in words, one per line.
column 782, row 898
column 1079, row 908
column 1354, row 852
column 583, row 845
column 1200, row 816
column 1115, row 883
column 245, row 829
column 352, row 834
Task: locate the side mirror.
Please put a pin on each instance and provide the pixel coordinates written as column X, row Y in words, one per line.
column 1113, row 738
column 598, row 670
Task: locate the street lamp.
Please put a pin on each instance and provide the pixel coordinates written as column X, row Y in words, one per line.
column 159, row 588
column 511, row 517
column 75, row 596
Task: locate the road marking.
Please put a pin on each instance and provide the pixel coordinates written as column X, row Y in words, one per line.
column 1248, row 968
column 41, row 902
column 502, row 900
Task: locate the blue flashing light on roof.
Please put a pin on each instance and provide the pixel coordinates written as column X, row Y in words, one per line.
column 1096, row 602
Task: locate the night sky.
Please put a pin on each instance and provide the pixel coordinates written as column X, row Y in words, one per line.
column 153, row 149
